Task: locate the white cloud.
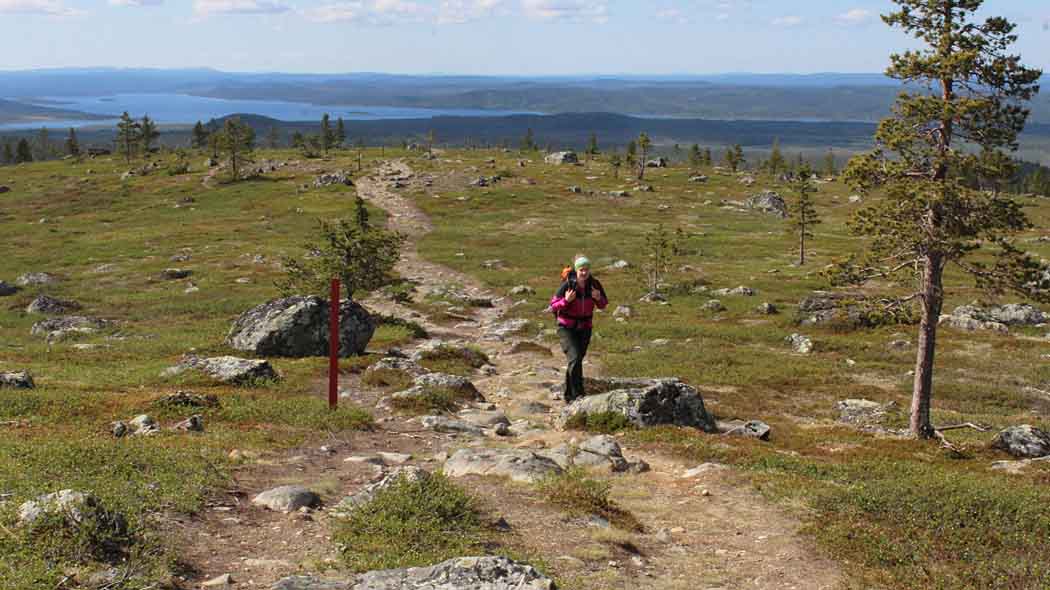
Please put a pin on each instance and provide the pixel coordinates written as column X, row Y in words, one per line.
column 373, row 12
column 723, row 16
column 136, row 3
column 464, row 11
column 787, row 21
column 856, row 16
column 672, row 15
column 210, row 7
column 567, row 10
column 45, row 7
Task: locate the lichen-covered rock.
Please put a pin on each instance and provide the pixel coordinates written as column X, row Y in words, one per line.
column 450, row 425
column 561, row 158
column 461, row 573
column 1024, row 442
column 645, row 402
column 16, row 380
column 58, row 328
column 228, row 369
column 751, row 429
column 32, row 279
column 517, row 464
column 298, row 327
column 800, row 344
column 194, row 423
column 394, row 364
column 767, row 202
column 408, row 473
column 973, row 317
column 75, row 508
column 599, row 451
column 861, row 411
column 287, row 499
column 460, row 385
column 51, row 305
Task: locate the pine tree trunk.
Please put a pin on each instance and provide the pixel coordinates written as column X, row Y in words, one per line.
column 802, row 247
column 932, row 300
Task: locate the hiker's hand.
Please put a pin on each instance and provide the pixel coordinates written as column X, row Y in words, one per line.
column 570, row 295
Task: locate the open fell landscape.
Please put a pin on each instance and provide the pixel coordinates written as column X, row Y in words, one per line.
column 836, row 497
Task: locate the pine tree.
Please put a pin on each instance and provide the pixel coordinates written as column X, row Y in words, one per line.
column 802, row 215
column 8, row 156
column 776, row 158
column 236, row 141
column 72, row 145
column 616, row 161
column 327, row 134
column 44, row 149
column 340, row 132
column 148, row 133
column 708, row 160
column 200, row 136
column 734, row 158
column 528, row 143
column 273, row 139
column 830, row 168
column 928, row 218
column 696, row 158
column 592, row 145
column 631, row 158
column 128, row 136
column 644, row 144
column 23, row 151
column 431, row 140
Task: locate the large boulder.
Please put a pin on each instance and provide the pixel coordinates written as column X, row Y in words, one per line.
column 562, row 158
column 227, row 369
column 461, row 573
column 1023, row 442
column 298, row 327
column 767, row 202
column 517, row 464
column 645, row 402
column 16, row 380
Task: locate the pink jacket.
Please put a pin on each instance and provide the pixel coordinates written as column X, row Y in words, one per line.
column 578, row 314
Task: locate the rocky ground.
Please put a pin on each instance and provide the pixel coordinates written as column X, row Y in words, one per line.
column 702, row 526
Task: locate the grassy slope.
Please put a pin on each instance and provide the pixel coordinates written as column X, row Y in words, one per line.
column 59, row 437
column 900, row 514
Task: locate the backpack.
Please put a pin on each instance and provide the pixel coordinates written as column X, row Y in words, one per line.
column 568, row 275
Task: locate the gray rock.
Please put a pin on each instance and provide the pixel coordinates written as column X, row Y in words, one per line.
column 34, row 279
column 822, row 307
column 767, row 202
column 768, row 309
column 1023, row 442
column 752, row 428
column 522, row 290
column 619, row 194
column 713, row 306
column 335, row 178
column 485, row 418
column 656, row 163
column 600, row 451
column 645, row 402
column 298, row 327
column 143, row 425
column 698, row 178
column 16, row 380
column 502, row 330
column 74, row 508
column 575, row 189
column 971, row 318
column 57, row 328
column 366, row 494
column 517, row 464
column 618, row 265
column 224, row 581
column 460, row 385
column 174, row 274
column 7, row 289
column 450, row 425
column 800, row 344
column 623, row 311
column 562, row 158
column 51, row 305
column 741, row 291
column 194, row 423
column 404, row 366
column 462, row 573
column 287, row 499
column 229, row 369
column 861, row 411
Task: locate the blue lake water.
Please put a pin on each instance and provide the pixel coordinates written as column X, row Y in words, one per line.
column 181, row 109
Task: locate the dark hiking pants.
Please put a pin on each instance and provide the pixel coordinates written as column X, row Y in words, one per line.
column 574, row 343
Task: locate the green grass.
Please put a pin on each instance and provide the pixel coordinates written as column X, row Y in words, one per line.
column 602, row 422
column 410, row 524
column 454, row 360
column 432, row 399
column 580, row 495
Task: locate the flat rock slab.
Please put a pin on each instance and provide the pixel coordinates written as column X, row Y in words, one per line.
column 518, row 465
column 462, row 573
column 287, row 499
column 646, row 403
column 56, row 328
column 228, row 369
column 52, row 305
column 460, row 385
column 450, row 425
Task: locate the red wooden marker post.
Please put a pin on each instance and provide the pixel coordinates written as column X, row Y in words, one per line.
column 333, row 347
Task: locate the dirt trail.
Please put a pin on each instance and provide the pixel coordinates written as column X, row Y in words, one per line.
column 711, row 531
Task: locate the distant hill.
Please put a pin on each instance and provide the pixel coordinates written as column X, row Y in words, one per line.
column 19, row 112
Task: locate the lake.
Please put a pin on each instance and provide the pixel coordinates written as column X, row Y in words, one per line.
column 172, row 109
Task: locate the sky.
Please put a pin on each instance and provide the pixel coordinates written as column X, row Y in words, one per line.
column 483, row 37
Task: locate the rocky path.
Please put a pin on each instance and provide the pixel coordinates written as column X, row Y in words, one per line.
column 704, row 529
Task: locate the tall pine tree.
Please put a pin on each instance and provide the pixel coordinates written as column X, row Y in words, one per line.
column 72, row 144
column 148, row 133
column 200, row 136
column 128, row 136
column 928, row 218
column 803, row 216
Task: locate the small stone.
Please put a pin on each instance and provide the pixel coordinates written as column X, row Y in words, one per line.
column 394, row 458
column 287, row 499
column 223, row 580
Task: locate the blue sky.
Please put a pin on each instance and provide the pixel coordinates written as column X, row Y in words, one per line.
column 523, row 37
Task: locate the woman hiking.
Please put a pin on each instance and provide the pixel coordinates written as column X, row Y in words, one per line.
column 574, row 305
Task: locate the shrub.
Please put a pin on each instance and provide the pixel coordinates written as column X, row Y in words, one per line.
column 600, row 422
column 438, row 399
column 410, row 524
column 577, row 494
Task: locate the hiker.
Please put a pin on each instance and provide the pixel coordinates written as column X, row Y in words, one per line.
column 573, row 306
